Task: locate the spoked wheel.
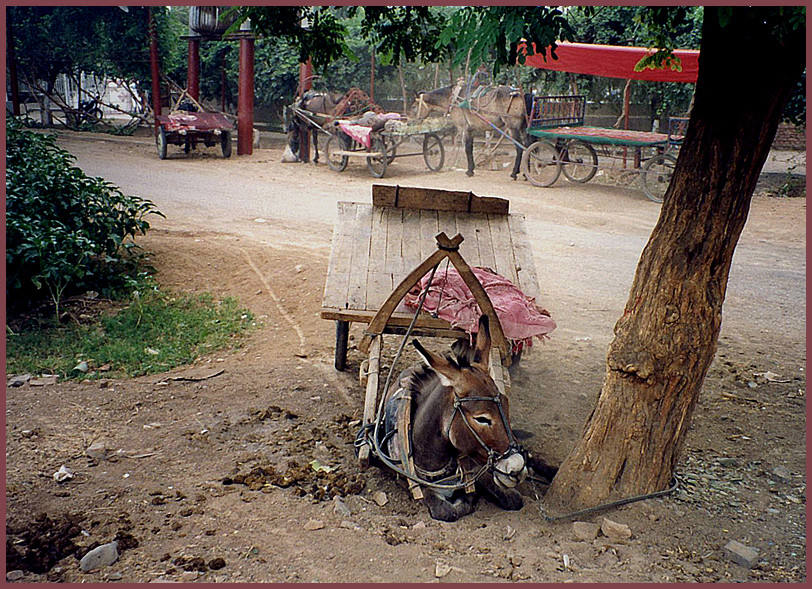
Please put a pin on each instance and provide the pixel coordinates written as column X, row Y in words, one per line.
column 225, row 143
column 391, row 150
column 657, row 173
column 433, row 152
column 541, row 163
column 335, row 162
column 160, row 143
column 377, row 162
column 579, row 161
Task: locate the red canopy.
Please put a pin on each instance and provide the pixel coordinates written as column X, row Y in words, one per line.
column 613, row 61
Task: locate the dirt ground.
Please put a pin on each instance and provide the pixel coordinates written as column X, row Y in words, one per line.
column 206, row 476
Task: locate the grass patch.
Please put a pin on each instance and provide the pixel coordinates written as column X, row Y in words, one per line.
column 153, row 332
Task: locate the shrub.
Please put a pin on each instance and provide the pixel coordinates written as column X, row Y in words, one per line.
column 64, row 230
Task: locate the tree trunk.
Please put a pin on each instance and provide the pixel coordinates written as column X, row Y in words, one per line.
column 666, row 339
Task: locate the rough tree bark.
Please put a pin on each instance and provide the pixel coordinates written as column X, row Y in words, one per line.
column 666, row 339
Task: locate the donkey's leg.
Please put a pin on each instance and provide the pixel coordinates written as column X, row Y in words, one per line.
column 315, row 133
column 468, row 141
column 509, row 499
column 448, row 511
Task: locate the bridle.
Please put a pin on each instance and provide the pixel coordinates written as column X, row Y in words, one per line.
column 493, row 457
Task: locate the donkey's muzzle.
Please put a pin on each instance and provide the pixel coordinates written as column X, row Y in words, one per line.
column 510, row 470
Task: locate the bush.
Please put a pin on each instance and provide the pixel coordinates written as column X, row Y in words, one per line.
column 64, row 230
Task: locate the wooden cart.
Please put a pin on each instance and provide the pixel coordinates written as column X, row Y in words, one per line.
column 380, row 251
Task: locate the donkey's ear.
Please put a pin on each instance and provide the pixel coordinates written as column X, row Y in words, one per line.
column 444, row 369
column 482, row 352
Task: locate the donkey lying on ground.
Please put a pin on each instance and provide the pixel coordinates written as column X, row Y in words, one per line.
column 460, row 430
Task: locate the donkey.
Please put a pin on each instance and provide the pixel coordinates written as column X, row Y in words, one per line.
column 460, row 426
column 318, row 105
column 499, row 106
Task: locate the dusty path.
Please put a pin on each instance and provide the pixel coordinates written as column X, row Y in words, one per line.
column 260, row 230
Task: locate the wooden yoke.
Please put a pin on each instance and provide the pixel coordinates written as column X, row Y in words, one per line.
column 447, row 248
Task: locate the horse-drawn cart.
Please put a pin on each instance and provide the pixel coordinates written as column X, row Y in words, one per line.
column 382, row 251
column 379, row 146
column 187, row 129
column 566, row 146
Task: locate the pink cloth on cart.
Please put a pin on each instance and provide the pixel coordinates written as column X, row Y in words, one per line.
column 520, row 317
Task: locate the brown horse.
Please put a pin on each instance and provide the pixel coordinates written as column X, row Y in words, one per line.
column 460, row 430
column 322, row 108
column 486, row 109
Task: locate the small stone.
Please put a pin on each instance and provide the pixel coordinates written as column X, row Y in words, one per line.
column 781, row 474
column 341, row 508
column 314, row 524
column 97, row 451
column 728, row 462
column 63, row 474
column 614, row 530
column 349, row 525
column 14, row 575
column 216, row 564
column 419, row 526
column 152, row 351
column 81, row 367
column 18, row 381
column 585, row 531
column 28, row 433
column 187, row 576
column 99, row 557
column 115, row 577
column 44, row 380
column 441, row 570
column 741, row 554
column 380, row 498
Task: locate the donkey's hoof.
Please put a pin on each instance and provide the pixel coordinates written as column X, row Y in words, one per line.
column 512, row 500
column 469, row 173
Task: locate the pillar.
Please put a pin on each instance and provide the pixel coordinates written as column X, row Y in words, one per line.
column 193, row 69
column 153, row 67
column 245, row 98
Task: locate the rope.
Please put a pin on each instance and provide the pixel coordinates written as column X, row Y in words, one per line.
column 618, row 503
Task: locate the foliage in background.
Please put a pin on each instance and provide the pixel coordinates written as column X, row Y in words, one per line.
column 154, row 332
column 64, row 230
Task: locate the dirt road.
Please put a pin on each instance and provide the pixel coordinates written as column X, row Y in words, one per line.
column 260, row 230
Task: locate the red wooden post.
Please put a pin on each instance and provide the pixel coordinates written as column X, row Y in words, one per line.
column 305, row 84
column 193, row 69
column 245, row 98
column 12, row 67
column 153, row 66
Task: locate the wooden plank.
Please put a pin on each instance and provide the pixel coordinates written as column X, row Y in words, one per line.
column 371, row 396
column 393, row 257
column 410, row 247
column 429, row 198
column 525, row 267
column 379, row 286
column 504, row 260
column 469, row 249
column 490, row 205
column 338, row 270
column 429, row 227
column 384, row 195
column 498, row 372
column 446, row 223
column 484, row 240
column 356, row 293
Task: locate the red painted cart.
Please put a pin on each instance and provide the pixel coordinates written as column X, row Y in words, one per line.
column 187, row 129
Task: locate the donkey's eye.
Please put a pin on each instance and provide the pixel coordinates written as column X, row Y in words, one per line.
column 481, row 419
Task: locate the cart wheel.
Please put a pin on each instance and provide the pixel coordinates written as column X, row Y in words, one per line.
column 579, row 161
column 335, row 162
column 377, row 163
column 160, row 142
column 391, row 151
column 225, row 143
column 657, row 175
column 433, row 152
column 541, row 163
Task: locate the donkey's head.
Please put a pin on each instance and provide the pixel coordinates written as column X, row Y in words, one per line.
column 476, row 420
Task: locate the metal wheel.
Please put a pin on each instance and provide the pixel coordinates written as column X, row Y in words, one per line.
column 391, row 150
column 225, row 143
column 433, row 152
column 335, row 162
column 160, row 143
column 541, row 163
column 657, row 175
column 579, row 161
column 377, row 163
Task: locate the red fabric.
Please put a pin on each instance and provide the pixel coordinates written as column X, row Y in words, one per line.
column 615, row 62
column 521, row 319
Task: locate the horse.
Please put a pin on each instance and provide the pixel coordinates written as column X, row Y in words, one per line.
column 317, row 105
column 501, row 106
column 323, row 107
column 460, row 430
